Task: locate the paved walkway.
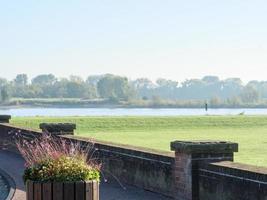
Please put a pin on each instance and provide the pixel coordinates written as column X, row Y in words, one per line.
column 13, row 165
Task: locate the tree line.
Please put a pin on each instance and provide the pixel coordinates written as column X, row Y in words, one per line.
column 115, row 88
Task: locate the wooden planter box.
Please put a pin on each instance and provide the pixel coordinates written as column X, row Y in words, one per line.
column 62, row 190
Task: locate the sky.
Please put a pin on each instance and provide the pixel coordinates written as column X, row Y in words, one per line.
column 174, row 39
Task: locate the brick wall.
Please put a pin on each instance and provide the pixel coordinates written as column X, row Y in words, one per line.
column 144, row 168
column 204, row 170
column 10, row 134
column 188, row 157
column 141, row 167
column 232, row 181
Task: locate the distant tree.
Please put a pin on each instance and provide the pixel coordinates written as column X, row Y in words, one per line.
column 76, row 90
column 260, row 86
column 19, row 87
column 3, row 82
column 93, row 80
column 21, row 80
column 32, row 91
column 143, row 83
column 210, row 79
column 114, row 87
column 166, row 89
column 45, row 85
column 91, row 83
column 231, row 87
column 250, row 95
column 4, row 95
column 144, row 98
column 234, row 101
column 76, row 87
column 144, row 87
column 76, row 79
column 44, row 80
column 215, row 101
column 263, row 89
column 192, row 83
column 167, row 83
column 193, row 89
column 59, row 89
column 91, row 92
column 157, row 100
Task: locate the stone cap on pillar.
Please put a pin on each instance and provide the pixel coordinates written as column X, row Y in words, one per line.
column 58, row 128
column 5, row 118
column 205, row 146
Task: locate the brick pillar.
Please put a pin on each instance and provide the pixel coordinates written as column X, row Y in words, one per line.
column 188, row 156
column 58, row 128
column 5, row 118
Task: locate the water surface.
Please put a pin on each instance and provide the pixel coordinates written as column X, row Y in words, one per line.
column 26, row 112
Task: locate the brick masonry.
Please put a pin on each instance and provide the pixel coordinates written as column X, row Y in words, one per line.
column 232, row 181
column 58, row 128
column 144, row 168
column 189, row 155
column 5, row 118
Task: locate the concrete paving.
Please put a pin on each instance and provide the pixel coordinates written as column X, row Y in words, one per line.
column 13, row 164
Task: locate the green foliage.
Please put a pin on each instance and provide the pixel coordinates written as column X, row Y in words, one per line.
column 114, row 88
column 3, row 82
column 21, row 80
column 211, row 79
column 4, row 95
column 62, row 169
column 75, row 89
column 44, row 79
column 250, row 94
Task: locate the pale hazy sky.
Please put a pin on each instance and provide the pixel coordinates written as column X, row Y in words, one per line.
column 175, row 39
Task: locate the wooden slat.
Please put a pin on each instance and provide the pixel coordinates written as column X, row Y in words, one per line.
column 95, row 190
column 63, row 191
column 37, row 191
column 47, row 191
column 69, row 191
column 80, row 190
column 88, row 191
column 57, row 191
column 29, row 188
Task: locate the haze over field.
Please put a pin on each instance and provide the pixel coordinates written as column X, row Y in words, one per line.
column 173, row 39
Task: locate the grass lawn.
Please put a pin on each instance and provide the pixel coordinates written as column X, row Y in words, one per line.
column 157, row 132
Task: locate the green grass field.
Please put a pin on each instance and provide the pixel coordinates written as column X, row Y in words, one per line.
column 157, row 132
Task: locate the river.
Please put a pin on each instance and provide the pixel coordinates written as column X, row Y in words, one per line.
column 27, row 112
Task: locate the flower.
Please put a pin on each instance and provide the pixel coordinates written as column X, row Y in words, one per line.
column 54, row 159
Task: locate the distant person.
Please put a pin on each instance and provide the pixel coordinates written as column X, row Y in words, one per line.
column 206, row 107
